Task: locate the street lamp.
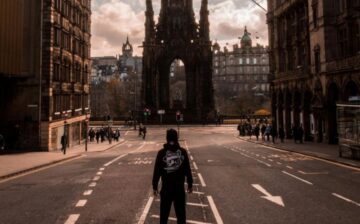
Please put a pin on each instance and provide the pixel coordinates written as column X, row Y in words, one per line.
column 87, row 130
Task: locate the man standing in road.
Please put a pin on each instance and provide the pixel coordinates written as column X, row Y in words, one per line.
column 172, row 165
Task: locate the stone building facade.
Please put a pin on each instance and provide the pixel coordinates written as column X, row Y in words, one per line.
column 315, row 57
column 44, row 82
column 244, row 69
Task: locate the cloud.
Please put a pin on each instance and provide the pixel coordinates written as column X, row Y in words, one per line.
column 113, row 20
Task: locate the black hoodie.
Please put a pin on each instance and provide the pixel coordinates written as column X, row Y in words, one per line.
column 172, row 165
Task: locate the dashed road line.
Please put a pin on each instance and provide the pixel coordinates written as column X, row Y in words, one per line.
column 72, row 219
column 88, row 192
column 346, row 199
column 201, row 180
column 81, row 203
column 99, row 173
column 298, row 178
column 198, row 192
column 102, row 169
column 278, row 163
column 195, row 166
column 290, row 167
column 96, row 178
column 93, row 184
column 197, row 204
column 214, row 210
column 114, row 160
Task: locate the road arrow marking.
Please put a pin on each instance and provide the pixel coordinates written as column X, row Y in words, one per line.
column 275, row 199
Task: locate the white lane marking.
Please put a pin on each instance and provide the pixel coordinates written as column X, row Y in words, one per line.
column 81, row 203
column 312, row 173
column 271, row 160
column 278, row 163
column 102, row 169
column 201, row 180
column 214, row 210
column 307, row 156
column 93, row 184
column 72, row 219
column 129, row 145
column 194, row 184
column 263, row 157
column 289, row 167
column 195, row 166
column 197, row 204
column 146, row 211
column 88, row 192
column 114, row 160
column 346, row 199
column 198, row 192
column 126, row 133
column 99, row 173
column 291, row 175
column 275, row 199
column 257, row 155
column 96, row 178
column 191, row 157
column 187, row 221
column 267, row 164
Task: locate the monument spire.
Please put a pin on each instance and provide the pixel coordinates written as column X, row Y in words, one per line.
column 204, row 21
column 149, row 23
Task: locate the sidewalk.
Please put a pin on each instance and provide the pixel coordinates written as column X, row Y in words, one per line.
column 15, row 164
column 318, row 150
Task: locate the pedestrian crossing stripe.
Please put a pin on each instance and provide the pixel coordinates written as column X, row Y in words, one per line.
column 187, row 221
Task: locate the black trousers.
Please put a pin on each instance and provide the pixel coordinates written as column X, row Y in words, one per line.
column 178, row 198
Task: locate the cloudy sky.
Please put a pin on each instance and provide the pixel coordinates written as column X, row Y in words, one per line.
column 113, row 20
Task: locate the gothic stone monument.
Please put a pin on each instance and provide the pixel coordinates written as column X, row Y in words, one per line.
column 178, row 36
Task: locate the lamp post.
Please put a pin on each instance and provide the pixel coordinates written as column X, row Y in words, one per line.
column 87, row 130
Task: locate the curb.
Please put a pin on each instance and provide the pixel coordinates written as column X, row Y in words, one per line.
column 302, row 153
column 7, row 176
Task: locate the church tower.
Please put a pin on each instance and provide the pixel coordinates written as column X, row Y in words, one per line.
column 177, row 35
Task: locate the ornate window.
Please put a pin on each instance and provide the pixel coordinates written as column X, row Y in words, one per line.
column 315, row 13
column 317, row 59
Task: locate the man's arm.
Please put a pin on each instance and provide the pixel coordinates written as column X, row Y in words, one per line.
column 188, row 173
column 157, row 173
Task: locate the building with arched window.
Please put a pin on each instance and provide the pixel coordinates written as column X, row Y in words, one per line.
column 315, row 59
column 242, row 70
column 44, row 72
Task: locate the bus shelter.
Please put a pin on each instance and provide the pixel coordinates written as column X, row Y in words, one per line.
column 349, row 130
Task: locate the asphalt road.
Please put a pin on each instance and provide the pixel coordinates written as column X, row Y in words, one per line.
column 235, row 182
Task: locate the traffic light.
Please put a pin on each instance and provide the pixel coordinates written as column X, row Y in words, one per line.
column 147, row 112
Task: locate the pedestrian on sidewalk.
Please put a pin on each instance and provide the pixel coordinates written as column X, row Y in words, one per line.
column 294, row 131
column 63, row 143
column 263, row 129
column 97, row 134
column 268, row 132
column 273, row 134
column 91, row 134
column 301, row 134
column 2, row 143
column 282, row 134
column 257, row 132
column 172, row 165
column 109, row 134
